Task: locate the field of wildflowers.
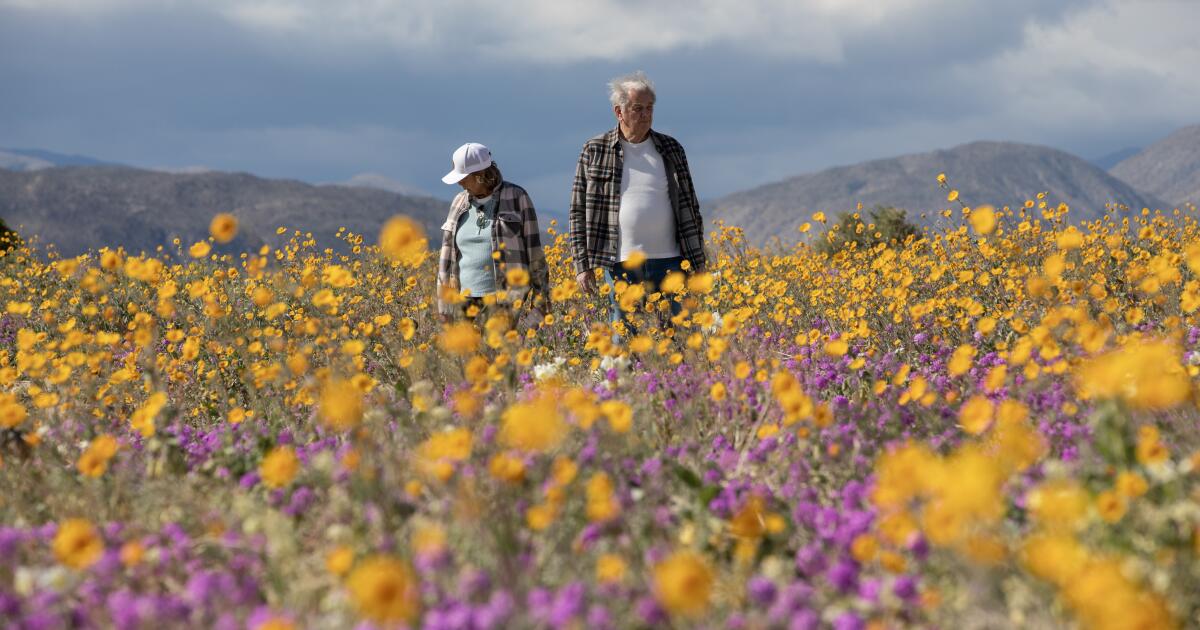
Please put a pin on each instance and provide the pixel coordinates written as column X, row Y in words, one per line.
column 992, row 424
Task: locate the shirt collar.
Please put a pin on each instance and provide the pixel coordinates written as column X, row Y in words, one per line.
column 614, row 137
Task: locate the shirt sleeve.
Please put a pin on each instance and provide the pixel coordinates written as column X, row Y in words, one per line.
column 577, row 215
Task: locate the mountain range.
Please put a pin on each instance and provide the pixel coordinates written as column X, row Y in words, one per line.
column 997, row 173
column 80, row 203
column 79, row 208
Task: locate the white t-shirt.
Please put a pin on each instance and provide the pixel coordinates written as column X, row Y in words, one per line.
column 646, row 218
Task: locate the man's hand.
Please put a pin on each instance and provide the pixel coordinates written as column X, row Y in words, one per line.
column 587, row 281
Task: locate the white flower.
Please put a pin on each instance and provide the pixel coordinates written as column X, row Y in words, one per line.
column 716, row 325
column 609, row 363
column 544, row 371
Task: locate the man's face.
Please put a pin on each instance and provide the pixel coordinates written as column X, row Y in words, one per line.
column 635, row 117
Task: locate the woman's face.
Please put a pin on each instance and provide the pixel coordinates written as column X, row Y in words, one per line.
column 473, row 184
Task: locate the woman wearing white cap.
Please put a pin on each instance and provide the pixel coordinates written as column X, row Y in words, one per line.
column 491, row 243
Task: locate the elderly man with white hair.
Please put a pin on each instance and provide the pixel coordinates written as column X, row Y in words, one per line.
column 634, row 213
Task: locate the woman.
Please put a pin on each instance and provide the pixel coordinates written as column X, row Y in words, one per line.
column 491, row 244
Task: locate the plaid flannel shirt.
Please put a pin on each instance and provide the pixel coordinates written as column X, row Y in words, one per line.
column 515, row 235
column 596, row 201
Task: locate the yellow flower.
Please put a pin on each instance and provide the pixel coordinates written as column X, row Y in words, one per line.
column 700, row 283
column 1131, row 484
column 540, row 516
column 507, row 467
column 683, row 583
column 12, row 413
column 635, row 260
column 459, row 338
column 975, row 416
column 536, row 425
column 1145, row 374
column 673, row 283
column 742, row 370
column 403, row 239
column 610, row 568
column 1111, row 506
column 619, row 415
column 983, row 219
column 836, row 347
column 91, row 463
column 517, row 277
column 438, row 454
column 1058, row 503
column 200, row 249
column 131, row 553
column 602, row 503
column 385, row 591
column 961, row 360
column 77, row 544
column 142, row 419
column 1150, row 452
column 717, row 392
column 341, row 405
column 223, row 227
column 952, row 196
column 1055, row 557
column 749, row 522
column 339, row 560
column 279, row 467
column 641, row 344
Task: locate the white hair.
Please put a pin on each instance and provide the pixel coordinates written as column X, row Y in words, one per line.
column 620, row 88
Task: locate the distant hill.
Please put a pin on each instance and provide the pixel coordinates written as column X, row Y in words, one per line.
column 36, row 159
column 16, row 162
column 998, row 173
column 86, row 207
column 1169, row 168
column 1110, row 160
column 383, row 182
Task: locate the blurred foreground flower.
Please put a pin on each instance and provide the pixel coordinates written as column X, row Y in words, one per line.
column 403, row 239
column 1143, row 374
column 385, row 591
column 223, row 228
column 683, row 583
column 77, row 544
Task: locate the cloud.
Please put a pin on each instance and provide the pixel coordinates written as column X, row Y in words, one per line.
column 556, row 33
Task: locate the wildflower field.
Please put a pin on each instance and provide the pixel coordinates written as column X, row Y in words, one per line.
column 992, row 424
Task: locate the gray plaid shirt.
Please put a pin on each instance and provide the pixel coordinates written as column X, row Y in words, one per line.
column 515, row 234
column 596, row 201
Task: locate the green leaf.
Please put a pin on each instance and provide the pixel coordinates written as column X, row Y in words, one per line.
column 688, row 477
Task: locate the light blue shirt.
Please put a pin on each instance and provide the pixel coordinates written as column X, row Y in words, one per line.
column 476, row 269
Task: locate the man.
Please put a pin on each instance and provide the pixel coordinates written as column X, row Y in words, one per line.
column 633, row 199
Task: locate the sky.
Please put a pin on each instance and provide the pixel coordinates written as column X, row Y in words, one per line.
column 755, row 90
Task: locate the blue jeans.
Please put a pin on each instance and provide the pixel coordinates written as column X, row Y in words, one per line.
column 652, row 272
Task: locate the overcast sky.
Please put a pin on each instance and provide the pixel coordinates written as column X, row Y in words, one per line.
column 756, row 90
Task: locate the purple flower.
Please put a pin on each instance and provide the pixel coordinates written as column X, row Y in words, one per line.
column 905, row 587
column 650, row 612
column 848, row 621
column 810, row 560
column 567, row 605
column 599, row 618
column 761, row 590
column 843, row 575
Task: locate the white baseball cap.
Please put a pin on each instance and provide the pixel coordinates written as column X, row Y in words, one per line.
column 471, row 157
